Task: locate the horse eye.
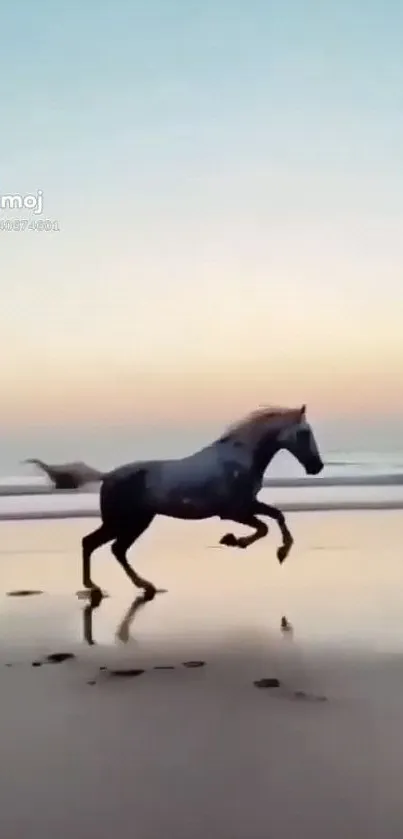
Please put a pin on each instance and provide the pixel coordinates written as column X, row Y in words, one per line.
column 304, row 436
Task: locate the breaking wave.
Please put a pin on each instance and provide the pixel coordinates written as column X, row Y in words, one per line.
column 347, row 484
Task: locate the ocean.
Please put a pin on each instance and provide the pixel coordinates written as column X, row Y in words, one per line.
column 350, row 480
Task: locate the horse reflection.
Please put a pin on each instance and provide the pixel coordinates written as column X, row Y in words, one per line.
column 95, row 601
column 122, row 631
column 286, row 628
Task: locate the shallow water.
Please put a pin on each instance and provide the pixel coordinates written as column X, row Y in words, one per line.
column 341, row 584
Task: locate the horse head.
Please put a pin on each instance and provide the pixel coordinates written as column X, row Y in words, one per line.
column 268, row 430
column 298, row 438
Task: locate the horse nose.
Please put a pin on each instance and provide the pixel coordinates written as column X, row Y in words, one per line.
column 315, row 467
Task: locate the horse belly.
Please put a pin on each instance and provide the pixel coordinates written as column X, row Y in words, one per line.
column 182, row 503
column 185, row 493
column 187, row 511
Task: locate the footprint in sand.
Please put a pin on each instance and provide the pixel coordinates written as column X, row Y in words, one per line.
column 119, row 673
column 126, row 673
column 57, row 658
column 311, row 697
column 267, row 683
column 137, row 672
column 54, row 658
column 297, row 694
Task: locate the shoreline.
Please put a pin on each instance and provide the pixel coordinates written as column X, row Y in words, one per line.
column 9, row 490
column 286, row 507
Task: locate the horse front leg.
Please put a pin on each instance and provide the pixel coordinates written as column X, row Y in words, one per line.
column 262, row 509
column 260, row 528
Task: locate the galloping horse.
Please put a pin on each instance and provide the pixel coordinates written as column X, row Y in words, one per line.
column 222, row 479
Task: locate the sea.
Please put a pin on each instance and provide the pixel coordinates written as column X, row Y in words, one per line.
column 351, row 480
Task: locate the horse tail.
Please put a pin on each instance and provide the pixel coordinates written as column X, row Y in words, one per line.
column 69, row 475
column 87, row 474
column 36, row 462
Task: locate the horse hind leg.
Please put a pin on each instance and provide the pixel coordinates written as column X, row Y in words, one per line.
column 123, row 542
column 90, row 543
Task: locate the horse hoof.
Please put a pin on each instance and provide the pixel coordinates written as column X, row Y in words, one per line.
column 281, row 554
column 229, row 540
column 95, row 596
column 149, row 592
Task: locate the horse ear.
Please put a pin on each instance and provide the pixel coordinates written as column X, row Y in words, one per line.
column 303, row 411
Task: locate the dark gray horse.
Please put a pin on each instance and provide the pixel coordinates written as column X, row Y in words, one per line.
column 222, row 479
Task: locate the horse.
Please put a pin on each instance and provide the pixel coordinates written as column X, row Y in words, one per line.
column 220, row 480
column 68, row 475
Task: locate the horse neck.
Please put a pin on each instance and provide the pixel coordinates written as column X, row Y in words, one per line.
column 264, row 453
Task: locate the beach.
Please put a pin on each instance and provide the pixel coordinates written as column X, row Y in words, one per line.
column 196, row 751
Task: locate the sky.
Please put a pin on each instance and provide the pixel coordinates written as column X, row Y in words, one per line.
column 227, row 181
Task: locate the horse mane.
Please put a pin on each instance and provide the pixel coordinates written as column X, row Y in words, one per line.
column 253, row 422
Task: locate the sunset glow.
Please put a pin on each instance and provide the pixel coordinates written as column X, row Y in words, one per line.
column 228, row 186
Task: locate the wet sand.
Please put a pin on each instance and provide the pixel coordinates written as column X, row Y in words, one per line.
column 201, row 751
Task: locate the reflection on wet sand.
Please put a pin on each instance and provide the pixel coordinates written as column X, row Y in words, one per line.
column 95, row 601
column 286, row 628
column 242, row 747
column 123, row 628
column 122, row 633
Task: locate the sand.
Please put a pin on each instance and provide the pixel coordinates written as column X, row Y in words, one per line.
column 188, row 752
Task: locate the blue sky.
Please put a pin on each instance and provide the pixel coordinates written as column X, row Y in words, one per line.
column 228, row 181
